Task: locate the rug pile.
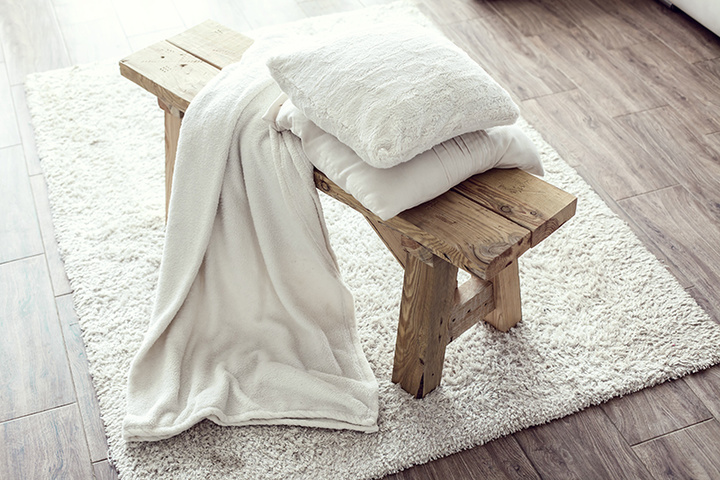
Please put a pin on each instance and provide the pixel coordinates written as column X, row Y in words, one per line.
column 602, row 316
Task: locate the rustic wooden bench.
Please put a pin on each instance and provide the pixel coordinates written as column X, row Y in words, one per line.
column 482, row 225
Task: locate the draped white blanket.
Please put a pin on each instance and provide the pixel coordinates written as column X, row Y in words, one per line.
column 252, row 324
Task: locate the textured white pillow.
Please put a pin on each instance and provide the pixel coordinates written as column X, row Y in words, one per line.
column 388, row 191
column 391, row 94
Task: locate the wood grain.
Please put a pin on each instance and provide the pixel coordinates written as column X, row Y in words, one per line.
column 104, row 471
column 518, row 64
column 261, row 14
column 19, row 233
column 229, row 13
column 86, row 398
column 584, row 60
column 168, row 72
column 56, row 267
column 9, row 132
column 605, row 23
column 502, row 459
column 688, row 453
column 144, row 16
column 506, row 298
column 398, row 244
column 27, row 133
column 213, row 43
column 584, row 134
column 452, row 11
column 685, row 36
column 95, row 40
column 34, row 370
column 30, row 38
column 584, row 445
column 521, row 198
column 45, row 445
column 656, row 411
column 173, row 121
column 534, row 17
column 684, row 230
column 472, row 302
column 500, row 49
column 693, row 92
column 423, row 326
column 706, row 386
column 477, row 237
column 680, row 150
column 453, row 228
column 313, row 8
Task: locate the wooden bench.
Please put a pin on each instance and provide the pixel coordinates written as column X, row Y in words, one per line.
column 482, row 225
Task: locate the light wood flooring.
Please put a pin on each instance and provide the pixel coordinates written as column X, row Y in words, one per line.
column 627, row 91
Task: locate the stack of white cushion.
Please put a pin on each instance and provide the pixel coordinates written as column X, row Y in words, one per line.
column 396, row 116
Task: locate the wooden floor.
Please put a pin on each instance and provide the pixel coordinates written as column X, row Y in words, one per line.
column 627, row 91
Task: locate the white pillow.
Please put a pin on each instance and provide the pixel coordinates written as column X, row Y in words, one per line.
column 387, row 192
column 390, row 94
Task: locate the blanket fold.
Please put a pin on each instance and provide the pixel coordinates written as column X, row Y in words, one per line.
column 252, row 323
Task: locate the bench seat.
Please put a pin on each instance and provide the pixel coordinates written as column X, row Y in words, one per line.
column 481, row 225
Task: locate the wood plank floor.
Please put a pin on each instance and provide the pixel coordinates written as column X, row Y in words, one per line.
column 628, row 91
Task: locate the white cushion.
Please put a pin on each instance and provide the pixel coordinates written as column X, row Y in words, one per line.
column 390, row 94
column 387, row 192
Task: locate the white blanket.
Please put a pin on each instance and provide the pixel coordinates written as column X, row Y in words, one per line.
column 252, row 323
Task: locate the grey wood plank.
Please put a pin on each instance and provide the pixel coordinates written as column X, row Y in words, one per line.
column 31, row 38
column 44, row 445
column 684, row 229
column 450, row 12
column 523, row 69
column 688, row 453
column 584, row 134
column 79, row 11
column 314, row 8
column 693, row 92
column 678, row 149
column 706, row 385
column 9, row 132
column 139, row 17
column 534, row 17
column 501, row 459
column 27, row 134
column 95, row 40
column 86, row 399
column 604, row 22
column 585, row 445
column 708, row 300
column 19, row 231
column 229, row 14
column 685, row 36
column 56, row 267
column 607, row 80
column 103, row 470
column 656, row 411
column 260, row 14
column 140, row 41
column 34, row 371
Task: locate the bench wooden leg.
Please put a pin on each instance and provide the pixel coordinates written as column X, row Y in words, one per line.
column 173, row 120
column 425, row 309
column 506, row 293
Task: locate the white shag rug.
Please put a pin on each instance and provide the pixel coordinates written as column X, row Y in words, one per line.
column 602, row 316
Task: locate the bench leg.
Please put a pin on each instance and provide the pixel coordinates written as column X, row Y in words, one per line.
column 425, row 308
column 506, row 292
column 173, row 120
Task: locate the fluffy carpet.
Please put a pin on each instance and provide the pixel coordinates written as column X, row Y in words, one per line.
column 603, row 317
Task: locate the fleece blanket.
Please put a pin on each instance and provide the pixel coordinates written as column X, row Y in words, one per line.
column 252, row 323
